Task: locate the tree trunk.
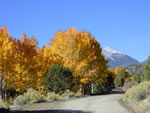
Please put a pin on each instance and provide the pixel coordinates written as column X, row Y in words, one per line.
column 92, row 88
column 1, row 87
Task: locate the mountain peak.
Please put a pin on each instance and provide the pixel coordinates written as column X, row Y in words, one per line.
column 111, row 50
column 117, row 58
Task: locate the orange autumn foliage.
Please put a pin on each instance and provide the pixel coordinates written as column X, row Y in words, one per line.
column 81, row 53
column 23, row 63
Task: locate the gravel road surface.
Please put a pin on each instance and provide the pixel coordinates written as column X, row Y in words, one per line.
column 91, row 104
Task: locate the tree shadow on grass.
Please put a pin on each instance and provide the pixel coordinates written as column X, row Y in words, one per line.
column 50, row 111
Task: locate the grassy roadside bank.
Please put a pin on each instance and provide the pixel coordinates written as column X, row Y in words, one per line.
column 129, row 108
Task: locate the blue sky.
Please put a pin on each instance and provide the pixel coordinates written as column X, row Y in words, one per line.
column 121, row 24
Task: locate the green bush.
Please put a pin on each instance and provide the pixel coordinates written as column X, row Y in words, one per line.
column 30, row 97
column 78, row 94
column 67, row 94
column 4, row 104
column 147, row 70
column 137, row 78
column 139, row 96
column 59, row 97
column 51, row 96
column 130, row 95
column 57, row 78
column 33, row 96
column 137, row 92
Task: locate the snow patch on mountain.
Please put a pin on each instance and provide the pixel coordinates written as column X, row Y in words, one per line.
column 117, row 58
column 110, row 53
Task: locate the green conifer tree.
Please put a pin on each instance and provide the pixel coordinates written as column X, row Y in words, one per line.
column 147, row 71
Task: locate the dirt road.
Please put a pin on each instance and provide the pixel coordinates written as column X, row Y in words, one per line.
column 92, row 104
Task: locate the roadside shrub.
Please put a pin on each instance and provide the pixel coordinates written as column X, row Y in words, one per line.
column 137, row 78
column 143, row 90
column 143, row 105
column 21, row 100
column 138, row 92
column 130, row 95
column 57, row 78
column 4, row 104
column 78, row 94
column 51, row 96
column 138, row 96
column 67, row 94
column 127, row 86
column 59, row 97
column 30, row 97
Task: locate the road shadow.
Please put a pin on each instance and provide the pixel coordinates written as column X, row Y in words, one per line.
column 114, row 91
column 50, row 111
column 117, row 91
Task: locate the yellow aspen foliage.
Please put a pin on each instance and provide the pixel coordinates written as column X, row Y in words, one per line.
column 6, row 54
column 23, row 63
column 82, row 53
column 117, row 69
column 127, row 75
column 24, row 67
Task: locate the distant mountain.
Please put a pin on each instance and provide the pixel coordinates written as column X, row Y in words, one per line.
column 144, row 62
column 136, row 69
column 116, row 58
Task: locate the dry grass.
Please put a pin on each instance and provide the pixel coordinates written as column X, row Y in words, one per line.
column 30, row 97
